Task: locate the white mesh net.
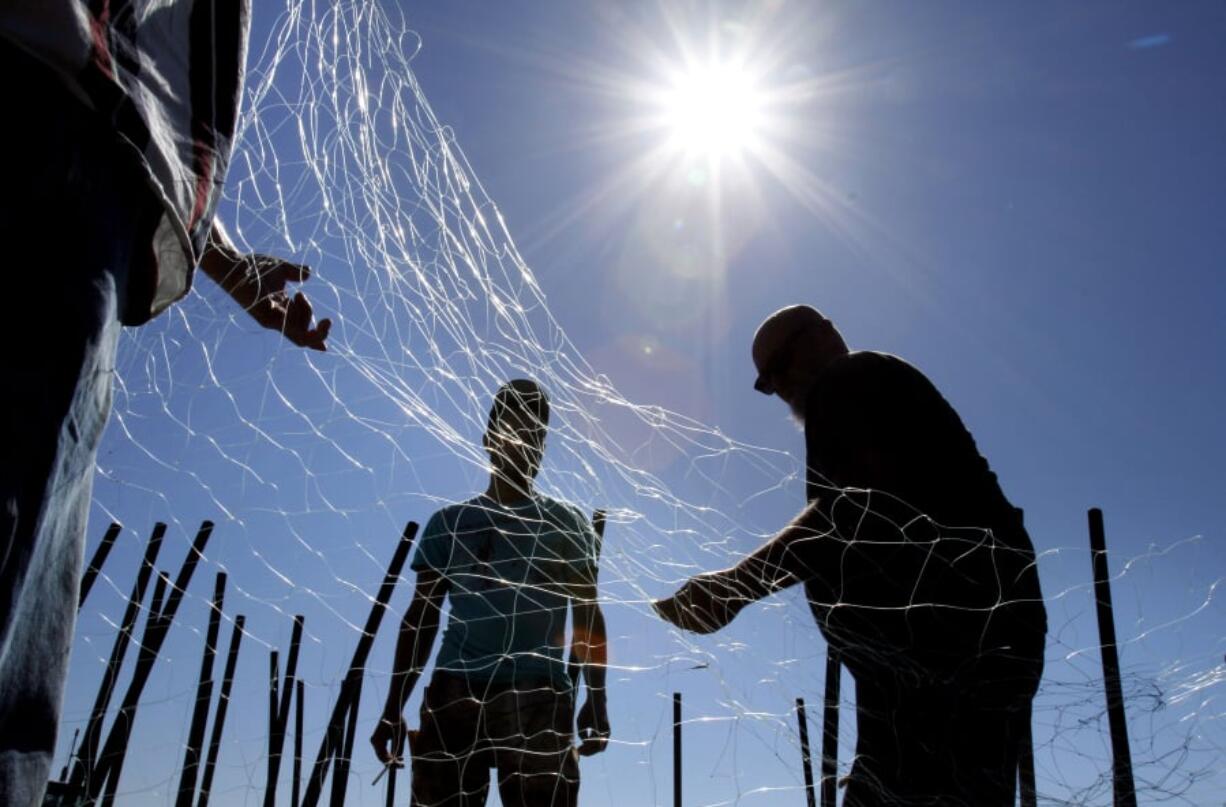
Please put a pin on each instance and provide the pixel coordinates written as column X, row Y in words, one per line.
column 311, row 464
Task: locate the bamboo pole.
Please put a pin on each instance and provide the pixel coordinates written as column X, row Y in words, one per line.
column 334, row 735
column 806, row 760
column 298, row 711
column 830, row 729
column 223, row 702
column 391, row 786
column 340, row 776
column 110, row 761
column 676, row 749
column 88, row 751
column 106, row 773
column 279, row 713
column 95, row 563
column 274, row 683
column 204, row 699
column 1124, row 786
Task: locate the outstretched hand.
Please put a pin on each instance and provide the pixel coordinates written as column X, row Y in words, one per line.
column 704, row 604
column 388, row 741
column 593, row 726
column 258, row 283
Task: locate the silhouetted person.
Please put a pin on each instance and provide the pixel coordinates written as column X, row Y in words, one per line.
column 511, row 561
column 118, row 121
column 916, row 567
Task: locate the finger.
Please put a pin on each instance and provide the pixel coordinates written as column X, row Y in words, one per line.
column 321, row 335
column 298, row 323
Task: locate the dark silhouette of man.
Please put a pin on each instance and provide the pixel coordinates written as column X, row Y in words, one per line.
column 917, row 569
column 511, row 561
column 119, row 119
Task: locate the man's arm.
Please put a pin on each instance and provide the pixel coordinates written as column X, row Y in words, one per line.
column 591, row 650
column 413, row 646
column 257, row 283
column 710, row 601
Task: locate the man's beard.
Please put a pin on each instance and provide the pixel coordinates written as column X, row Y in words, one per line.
column 798, row 415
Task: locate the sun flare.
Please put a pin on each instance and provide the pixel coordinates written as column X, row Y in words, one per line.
column 713, row 110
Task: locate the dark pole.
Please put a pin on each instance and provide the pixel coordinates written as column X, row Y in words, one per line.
column 1125, row 788
column 274, row 682
column 805, row 759
column 104, row 773
column 204, row 698
column 110, row 761
column 334, row 735
column 88, row 752
column 71, row 748
column 279, row 714
column 391, row 786
column 223, row 701
column 340, row 775
column 95, row 563
column 676, row 749
column 830, row 729
column 298, row 709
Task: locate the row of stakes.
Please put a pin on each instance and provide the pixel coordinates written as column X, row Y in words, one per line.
column 95, row 765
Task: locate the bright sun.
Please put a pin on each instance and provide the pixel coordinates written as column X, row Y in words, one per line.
column 713, row 111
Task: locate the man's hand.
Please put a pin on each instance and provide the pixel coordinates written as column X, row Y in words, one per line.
column 388, row 740
column 704, row 604
column 593, row 725
column 258, row 283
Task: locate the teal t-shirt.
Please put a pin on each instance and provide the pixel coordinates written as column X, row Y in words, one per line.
column 511, row 569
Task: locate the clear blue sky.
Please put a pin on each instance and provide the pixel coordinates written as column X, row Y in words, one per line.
column 1022, row 201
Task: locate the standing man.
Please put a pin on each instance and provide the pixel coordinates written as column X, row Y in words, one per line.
column 119, row 119
column 511, row 561
column 916, row 567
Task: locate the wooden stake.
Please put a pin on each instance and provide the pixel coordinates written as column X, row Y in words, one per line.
column 279, row 714
column 806, row 760
column 110, row 761
column 87, row 754
column 334, row 733
column 223, row 702
column 830, row 729
column 204, row 698
column 95, row 563
column 298, row 710
column 1124, row 786
column 676, row 749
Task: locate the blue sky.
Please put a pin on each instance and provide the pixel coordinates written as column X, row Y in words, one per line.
column 1019, row 200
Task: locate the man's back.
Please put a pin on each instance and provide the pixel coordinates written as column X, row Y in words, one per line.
column 936, row 607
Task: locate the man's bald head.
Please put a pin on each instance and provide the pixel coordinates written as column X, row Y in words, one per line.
column 790, row 348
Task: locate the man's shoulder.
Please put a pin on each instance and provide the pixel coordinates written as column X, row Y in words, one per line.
column 870, row 361
column 869, row 372
column 562, row 513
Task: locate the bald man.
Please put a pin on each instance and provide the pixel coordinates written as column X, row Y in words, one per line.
column 916, row 567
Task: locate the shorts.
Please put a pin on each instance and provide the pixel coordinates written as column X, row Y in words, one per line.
column 523, row 730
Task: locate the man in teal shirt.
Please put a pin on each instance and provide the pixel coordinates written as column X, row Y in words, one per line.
column 512, row 562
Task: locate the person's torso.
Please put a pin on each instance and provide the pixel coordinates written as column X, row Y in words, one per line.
column 510, row 573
